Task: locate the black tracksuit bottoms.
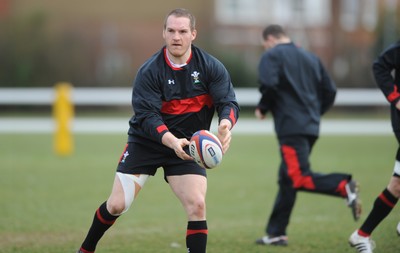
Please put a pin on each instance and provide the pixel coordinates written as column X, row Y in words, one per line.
column 295, row 174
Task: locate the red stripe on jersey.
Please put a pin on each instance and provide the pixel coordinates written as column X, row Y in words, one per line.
column 232, row 117
column 196, row 231
column 181, row 106
column 294, row 171
column 162, row 128
column 394, row 95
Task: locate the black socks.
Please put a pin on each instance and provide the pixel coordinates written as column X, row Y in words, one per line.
column 196, row 236
column 102, row 221
column 383, row 205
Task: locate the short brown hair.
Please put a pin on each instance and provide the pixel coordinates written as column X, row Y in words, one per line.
column 273, row 30
column 180, row 12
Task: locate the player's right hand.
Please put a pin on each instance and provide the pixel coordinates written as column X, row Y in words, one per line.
column 259, row 114
column 178, row 148
column 177, row 145
column 398, row 105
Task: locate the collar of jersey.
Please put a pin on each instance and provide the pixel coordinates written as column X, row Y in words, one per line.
column 170, row 64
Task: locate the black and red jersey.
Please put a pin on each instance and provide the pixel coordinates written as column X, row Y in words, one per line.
column 386, row 69
column 383, row 67
column 180, row 100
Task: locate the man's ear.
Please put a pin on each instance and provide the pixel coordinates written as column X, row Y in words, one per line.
column 194, row 34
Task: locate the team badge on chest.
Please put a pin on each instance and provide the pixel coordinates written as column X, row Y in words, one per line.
column 196, row 75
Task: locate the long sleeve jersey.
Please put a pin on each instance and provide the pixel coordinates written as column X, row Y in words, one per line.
column 386, row 69
column 383, row 67
column 180, row 100
column 296, row 88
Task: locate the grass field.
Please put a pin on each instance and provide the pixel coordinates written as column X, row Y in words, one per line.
column 47, row 202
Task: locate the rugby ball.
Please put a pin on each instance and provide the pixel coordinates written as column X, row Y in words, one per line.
column 206, row 149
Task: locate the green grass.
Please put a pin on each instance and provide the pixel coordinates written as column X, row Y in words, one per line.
column 47, row 202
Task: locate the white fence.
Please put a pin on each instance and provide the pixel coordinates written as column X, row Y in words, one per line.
column 244, row 126
column 122, row 96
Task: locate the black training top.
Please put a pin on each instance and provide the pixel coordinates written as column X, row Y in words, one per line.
column 180, row 100
column 386, row 69
column 383, row 66
column 296, row 88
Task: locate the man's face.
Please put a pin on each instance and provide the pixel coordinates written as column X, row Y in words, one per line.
column 269, row 43
column 178, row 36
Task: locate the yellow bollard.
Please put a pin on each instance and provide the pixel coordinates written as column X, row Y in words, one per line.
column 63, row 113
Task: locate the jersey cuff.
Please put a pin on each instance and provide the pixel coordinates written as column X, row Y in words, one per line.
column 394, row 102
column 394, row 96
column 161, row 130
column 232, row 117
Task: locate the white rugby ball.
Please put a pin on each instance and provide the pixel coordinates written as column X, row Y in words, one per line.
column 206, row 149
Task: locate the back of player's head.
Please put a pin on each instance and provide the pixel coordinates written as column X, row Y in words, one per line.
column 273, row 30
column 180, row 12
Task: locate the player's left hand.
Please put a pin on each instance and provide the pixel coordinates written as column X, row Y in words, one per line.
column 224, row 134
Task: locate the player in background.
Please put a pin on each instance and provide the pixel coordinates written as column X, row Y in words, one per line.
column 175, row 94
column 297, row 90
column 386, row 70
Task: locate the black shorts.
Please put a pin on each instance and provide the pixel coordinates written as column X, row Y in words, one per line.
column 146, row 158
